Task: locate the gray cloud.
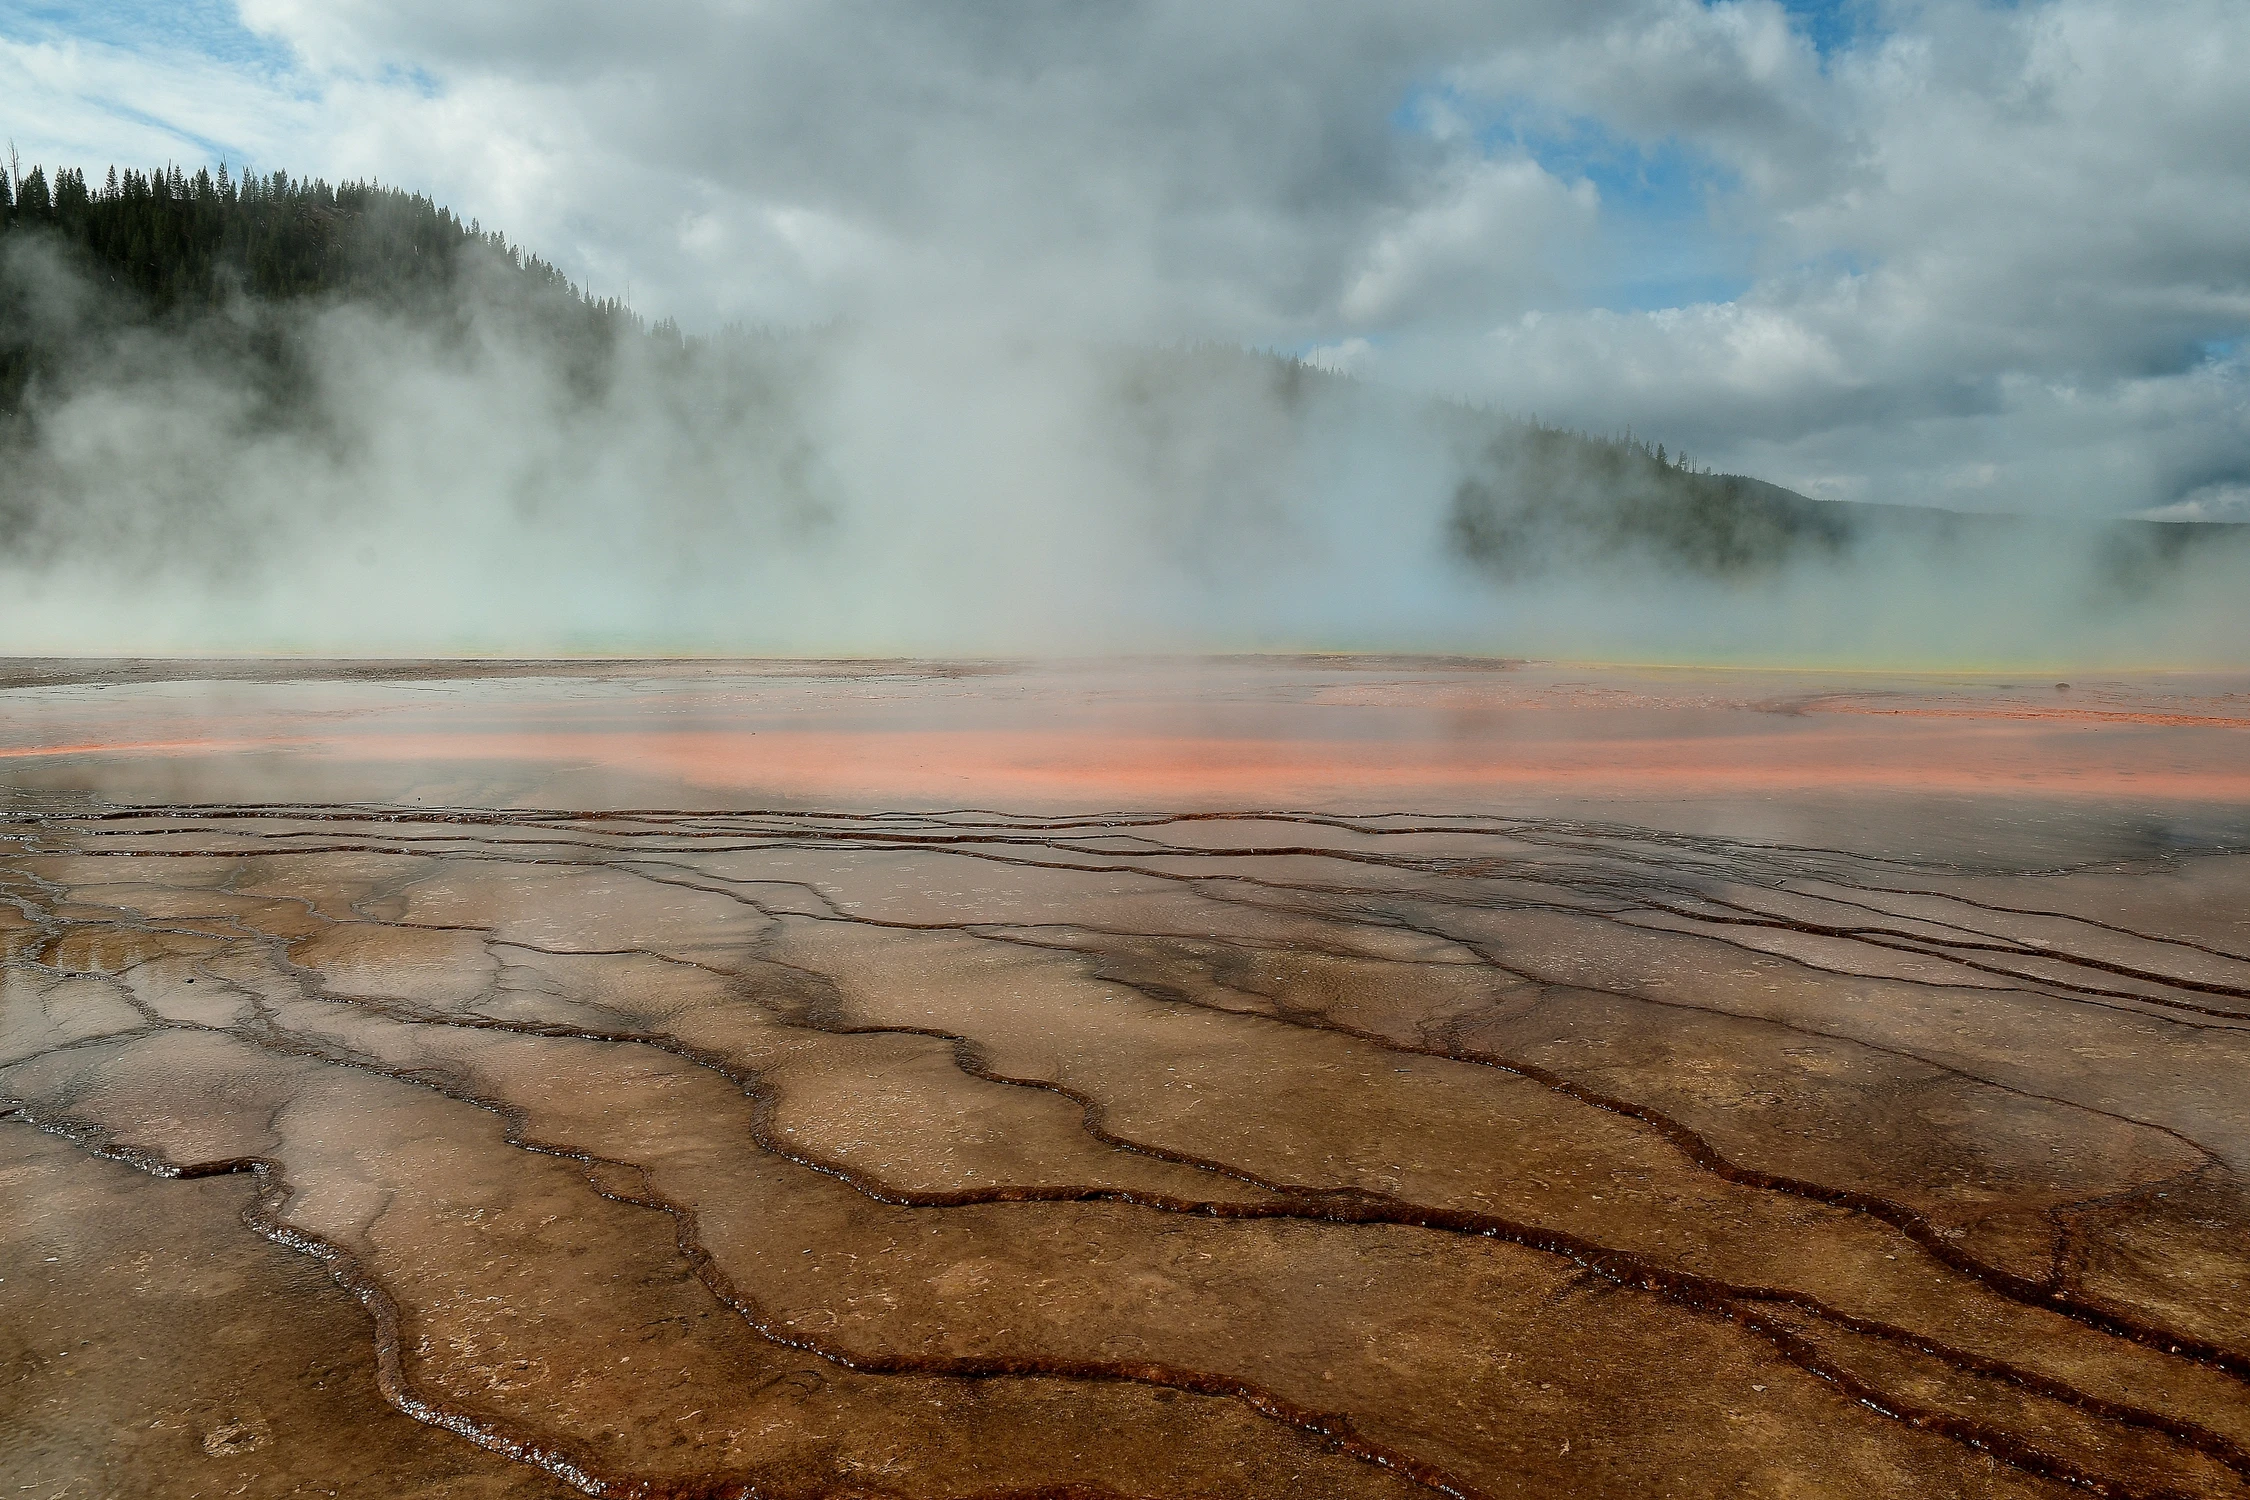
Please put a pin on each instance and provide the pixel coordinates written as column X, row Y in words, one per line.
column 1961, row 205
column 1961, row 219
column 1227, row 170
column 1989, row 257
column 2031, row 219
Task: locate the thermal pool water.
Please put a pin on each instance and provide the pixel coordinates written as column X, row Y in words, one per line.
column 1283, row 1077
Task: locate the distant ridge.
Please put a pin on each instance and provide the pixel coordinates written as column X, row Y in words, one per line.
column 225, row 267
column 180, row 240
column 167, row 246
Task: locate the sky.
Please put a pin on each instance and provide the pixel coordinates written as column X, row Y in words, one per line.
column 1986, row 256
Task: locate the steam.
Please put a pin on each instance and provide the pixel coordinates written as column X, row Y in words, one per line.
column 338, row 478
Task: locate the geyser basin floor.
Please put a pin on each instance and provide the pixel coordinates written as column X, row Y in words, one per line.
column 1596, row 1083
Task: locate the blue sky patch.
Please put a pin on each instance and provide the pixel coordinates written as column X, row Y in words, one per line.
column 1662, row 242
column 1832, row 26
column 1665, row 246
column 209, row 28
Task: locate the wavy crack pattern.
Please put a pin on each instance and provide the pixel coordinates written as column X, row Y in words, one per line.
column 710, row 1153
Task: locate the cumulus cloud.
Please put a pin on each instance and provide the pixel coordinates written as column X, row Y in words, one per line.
column 1999, row 253
column 1205, row 169
column 1479, row 245
column 1953, row 253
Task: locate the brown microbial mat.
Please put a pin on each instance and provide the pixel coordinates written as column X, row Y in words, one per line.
column 1290, row 1078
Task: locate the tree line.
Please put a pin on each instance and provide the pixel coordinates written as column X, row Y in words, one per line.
column 171, row 245
column 180, row 248
column 182, row 239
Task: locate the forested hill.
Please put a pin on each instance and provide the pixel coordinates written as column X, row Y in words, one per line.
column 169, row 246
column 177, row 240
column 226, row 279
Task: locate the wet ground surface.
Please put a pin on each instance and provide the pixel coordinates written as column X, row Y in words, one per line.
column 533, row 1121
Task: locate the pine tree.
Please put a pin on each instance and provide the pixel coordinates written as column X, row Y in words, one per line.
column 167, row 242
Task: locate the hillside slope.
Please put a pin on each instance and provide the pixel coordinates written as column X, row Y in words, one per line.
column 225, row 281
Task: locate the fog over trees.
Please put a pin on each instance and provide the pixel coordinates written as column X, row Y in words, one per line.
column 203, row 254
column 169, row 245
column 203, row 375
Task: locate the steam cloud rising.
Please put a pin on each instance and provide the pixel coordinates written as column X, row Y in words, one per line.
column 1979, row 257
column 343, row 477
column 338, row 477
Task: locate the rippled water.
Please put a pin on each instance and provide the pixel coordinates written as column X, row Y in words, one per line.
column 1682, row 1095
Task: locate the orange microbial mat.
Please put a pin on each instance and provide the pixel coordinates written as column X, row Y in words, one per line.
column 1294, row 1076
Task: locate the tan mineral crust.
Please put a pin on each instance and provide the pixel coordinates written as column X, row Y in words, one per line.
column 1287, row 1077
